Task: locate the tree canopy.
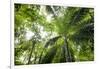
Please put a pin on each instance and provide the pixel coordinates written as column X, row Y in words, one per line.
column 52, row 34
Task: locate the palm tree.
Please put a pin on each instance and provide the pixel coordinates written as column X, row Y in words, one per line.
column 74, row 39
column 76, row 25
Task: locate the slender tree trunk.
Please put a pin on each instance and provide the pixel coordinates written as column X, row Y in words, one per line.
column 41, row 55
column 35, row 58
column 68, row 54
column 30, row 55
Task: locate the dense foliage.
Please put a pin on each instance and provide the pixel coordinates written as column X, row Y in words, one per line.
column 53, row 34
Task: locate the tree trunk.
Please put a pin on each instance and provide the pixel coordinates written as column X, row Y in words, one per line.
column 68, row 54
column 41, row 56
column 30, row 55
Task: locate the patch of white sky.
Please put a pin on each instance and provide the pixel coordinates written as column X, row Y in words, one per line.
column 29, row 34
column 43, row 33
column 49, row 18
